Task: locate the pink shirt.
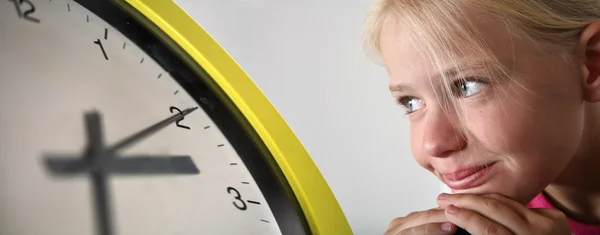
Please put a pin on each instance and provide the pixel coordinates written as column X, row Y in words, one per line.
column 577, row 228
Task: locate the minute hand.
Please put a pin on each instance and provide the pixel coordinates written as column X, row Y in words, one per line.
column 149, row 130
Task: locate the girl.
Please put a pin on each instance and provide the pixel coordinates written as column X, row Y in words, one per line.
column 503, row 100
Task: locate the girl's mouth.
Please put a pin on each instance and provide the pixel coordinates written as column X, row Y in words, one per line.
column 468, row 177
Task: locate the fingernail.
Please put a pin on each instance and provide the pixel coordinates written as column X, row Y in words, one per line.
column 443, row 196
column 446, row 227
column 452, row 209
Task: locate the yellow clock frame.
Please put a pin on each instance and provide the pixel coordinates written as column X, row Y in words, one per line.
column 318, row 203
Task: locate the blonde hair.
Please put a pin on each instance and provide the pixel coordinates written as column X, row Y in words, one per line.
column 555, row 22
column 442, row 29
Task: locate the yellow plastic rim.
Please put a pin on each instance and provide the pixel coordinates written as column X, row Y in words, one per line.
column 319, row 205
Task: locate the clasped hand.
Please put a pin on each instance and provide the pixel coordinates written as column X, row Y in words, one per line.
column 489, row 214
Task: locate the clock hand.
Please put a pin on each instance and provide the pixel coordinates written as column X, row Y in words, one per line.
column 68, row 165
column 97, row 155
column 154, row 165
column 149, row 130
column 99, row 162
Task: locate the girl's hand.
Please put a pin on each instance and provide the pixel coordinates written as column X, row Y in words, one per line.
column 494, row 214
column 429, row 222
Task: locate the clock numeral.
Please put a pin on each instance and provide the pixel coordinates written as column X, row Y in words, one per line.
column 173, row 108
column 26, row 11
column 238, row 198
column 99, row 43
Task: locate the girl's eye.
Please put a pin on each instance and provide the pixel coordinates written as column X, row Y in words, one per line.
column 411, row 103
column 468, row 87
column 464, row 88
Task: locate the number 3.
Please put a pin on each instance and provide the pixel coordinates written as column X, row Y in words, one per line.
column 238, row 197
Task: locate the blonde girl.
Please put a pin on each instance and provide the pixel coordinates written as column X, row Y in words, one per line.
column 502, row 98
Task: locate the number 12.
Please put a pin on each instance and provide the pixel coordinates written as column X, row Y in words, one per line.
column 25, row 14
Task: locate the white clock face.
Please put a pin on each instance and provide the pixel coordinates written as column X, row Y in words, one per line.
column 71, row 88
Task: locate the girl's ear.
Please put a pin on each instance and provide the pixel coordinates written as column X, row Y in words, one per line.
column 590, row 41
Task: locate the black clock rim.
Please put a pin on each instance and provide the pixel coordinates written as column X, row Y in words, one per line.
column 196, row 81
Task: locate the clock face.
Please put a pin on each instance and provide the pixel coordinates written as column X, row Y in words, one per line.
column 104, row 130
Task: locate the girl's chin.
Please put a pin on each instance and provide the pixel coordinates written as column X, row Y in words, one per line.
column 504, row 191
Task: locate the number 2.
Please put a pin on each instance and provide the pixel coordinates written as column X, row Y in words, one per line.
column 25, row 14
column 173, row 108
column 238, row 197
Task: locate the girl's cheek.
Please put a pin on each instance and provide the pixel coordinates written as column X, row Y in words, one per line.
column 500, row 127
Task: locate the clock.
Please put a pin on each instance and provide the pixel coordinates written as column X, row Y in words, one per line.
column 126, row 117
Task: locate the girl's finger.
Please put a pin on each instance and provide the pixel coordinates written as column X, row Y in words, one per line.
column 501, row 212
column 514, row 205
column 417, row 219
column 430, row 229
column 550, row 213
column 550, row 221
column 473, row 222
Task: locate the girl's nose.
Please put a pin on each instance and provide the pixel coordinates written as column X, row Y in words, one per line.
column 442, row 136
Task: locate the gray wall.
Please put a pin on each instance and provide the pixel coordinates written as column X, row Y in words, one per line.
column 306, row 56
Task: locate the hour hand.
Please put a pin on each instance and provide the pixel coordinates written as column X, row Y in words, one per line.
column 153, row 164
column 130, row 165
column 67, row 164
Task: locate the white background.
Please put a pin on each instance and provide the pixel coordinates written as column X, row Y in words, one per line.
column 306, row 56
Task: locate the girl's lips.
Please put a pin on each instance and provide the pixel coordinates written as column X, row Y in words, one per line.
column 465, row 178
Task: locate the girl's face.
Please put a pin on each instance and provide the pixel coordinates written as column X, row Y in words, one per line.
column 512, row 137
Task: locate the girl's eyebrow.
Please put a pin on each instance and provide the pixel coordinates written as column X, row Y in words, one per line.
column 451, row 72
column 400, row 87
